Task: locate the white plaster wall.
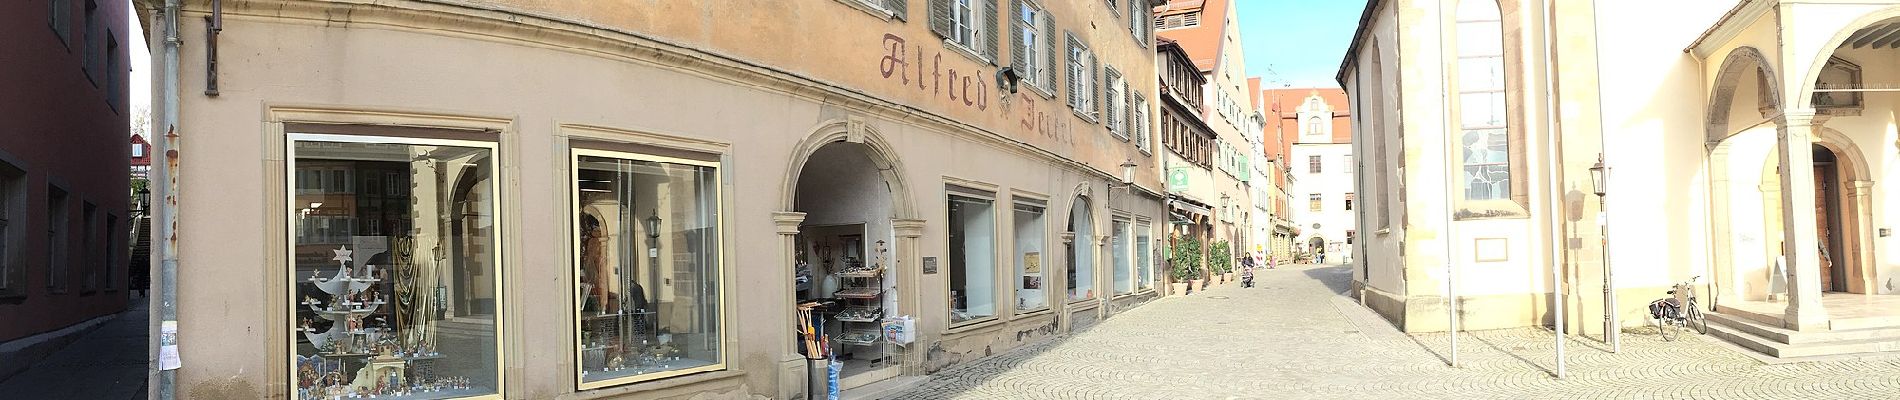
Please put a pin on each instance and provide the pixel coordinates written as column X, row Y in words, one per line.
column 1332, row 183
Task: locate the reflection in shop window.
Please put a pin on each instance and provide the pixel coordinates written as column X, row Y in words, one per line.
column 1124, row 264
column 1144, row 257
column 972, row 258
column 1081, row 251
column 1030, row 260
column 405, row 314
column 649, row 266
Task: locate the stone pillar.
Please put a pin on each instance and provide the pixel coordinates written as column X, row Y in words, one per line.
column 1800, row 240
column 909, row 292
column 1860, row 196
column 791, row 372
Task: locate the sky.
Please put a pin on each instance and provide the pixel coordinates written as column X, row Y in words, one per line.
column 141, row 75
column 1296, row 43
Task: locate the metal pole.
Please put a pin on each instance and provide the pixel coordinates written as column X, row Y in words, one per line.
column 1552, row 134
column 1451, row 291
column 1615, row 333
column 166, row 223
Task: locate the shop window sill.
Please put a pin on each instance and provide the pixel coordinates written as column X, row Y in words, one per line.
column 635, row 388
column 973, row 325
column 1034, row 313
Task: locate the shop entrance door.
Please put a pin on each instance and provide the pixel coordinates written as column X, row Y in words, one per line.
column 845, row 264
column 1827, row 221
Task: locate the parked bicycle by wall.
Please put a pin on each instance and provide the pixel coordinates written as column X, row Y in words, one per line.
column 1680, row 310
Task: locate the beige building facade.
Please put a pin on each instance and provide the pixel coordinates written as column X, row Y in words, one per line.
column 534, row 200
column 1718, row 136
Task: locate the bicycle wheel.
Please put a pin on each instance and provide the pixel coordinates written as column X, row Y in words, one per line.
column 1695, row 320
column 1669, row 328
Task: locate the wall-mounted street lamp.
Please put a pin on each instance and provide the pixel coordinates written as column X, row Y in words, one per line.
column 1128, row 171
column 1007, row 80
column 1598, row 175
column 1600, row 183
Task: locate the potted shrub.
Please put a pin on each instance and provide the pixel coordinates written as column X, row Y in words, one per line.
column 1220, row 259
column 1186, row 260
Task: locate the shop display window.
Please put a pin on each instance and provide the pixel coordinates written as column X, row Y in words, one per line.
column 393, row 293
column 1119, row 243
column 972, row 258
column 648, row 267
column 1144, row 255
column 1030, row 260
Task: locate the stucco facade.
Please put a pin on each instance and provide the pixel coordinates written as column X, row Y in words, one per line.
column 63, row 175
column 862, row 101
column 1686, row 116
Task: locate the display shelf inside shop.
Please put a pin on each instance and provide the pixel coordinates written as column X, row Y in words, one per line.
column 859, row 337
column 862, row 273
column 859, row 293
column 860, row 314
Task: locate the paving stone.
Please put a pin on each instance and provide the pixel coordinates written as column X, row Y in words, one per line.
column 1293, row 337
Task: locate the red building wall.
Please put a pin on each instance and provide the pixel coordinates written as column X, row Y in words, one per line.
column 63, row 123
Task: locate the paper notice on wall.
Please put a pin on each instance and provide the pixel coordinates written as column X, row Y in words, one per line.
column 168, row 346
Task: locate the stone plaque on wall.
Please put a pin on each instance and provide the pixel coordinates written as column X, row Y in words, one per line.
column 930, row 265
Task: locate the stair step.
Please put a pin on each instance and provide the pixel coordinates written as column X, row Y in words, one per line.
column 1788, row 336
column 1857, row 342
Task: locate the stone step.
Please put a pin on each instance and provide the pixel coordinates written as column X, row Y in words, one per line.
column 1836, row 343
column 1788, row 336
column 1764, row 319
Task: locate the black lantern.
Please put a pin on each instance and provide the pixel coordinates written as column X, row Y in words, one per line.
column 1599, row 175
column 653, row 225
column 1007, row 79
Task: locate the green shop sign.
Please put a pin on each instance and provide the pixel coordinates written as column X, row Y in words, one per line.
column 1178, row 179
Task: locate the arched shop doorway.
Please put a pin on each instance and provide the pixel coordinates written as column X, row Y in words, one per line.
column 846, row 253
column 1081, row 251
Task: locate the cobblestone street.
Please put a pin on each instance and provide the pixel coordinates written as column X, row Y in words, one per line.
column 1294, row 337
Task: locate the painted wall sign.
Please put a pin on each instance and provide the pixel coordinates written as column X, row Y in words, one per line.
column 966, row 86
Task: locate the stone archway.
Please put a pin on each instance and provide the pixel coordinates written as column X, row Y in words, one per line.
column 854, row 135
column 1744, row 70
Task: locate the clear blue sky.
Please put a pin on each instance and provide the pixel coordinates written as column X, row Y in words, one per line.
column 1296, row 42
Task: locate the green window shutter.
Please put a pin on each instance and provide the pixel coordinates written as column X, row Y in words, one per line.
column 1049, row 53
column 1018, row 54
column 992, row 36
column 899, row 9
column 940, row 18
column 1095, row 86
column 1075, row 98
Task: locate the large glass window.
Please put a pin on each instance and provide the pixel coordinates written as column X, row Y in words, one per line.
column 972, row 258
column 1144, row 255
column 408, row 312
column 648, row 267
column 1081, row 251
column 1481, row 87
column 1119, row 242
column 1030, row 260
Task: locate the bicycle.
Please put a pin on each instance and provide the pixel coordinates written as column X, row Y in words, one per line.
column 1680, row 310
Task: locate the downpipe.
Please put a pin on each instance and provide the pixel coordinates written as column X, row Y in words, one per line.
column 164, row 364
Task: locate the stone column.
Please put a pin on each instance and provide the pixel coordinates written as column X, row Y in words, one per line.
column 909, row 292
column 1860, row 195
column 791, row 371
column 1800, row 240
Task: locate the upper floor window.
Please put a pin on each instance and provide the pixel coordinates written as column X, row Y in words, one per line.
column 1349, row 199
column 1138, row 17
column 1140, row 123
column 1348, row 163
column 1182, row 20
column 57, row 12
column 138, row 150
column 1313, row 126
column 1032, row 54
column 1081, row 79
column 1313, row 164
column 1113, row 86
column 1481, row 103
column 968, row 20
column 969, row 24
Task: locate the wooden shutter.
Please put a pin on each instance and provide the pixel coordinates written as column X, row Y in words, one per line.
column 1095, row 85
column 940, row 18
column 992, row 37
column 1018, row 53
column 1075, row 95
column 899, row 9
column 1049, row 52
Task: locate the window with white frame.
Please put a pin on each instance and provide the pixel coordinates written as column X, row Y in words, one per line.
column 1483, row 118
column 1031, row 259
column 1141, row 124
column 1081, row 79
column 1144, row 254
column 1313, row 164
column 966, row 23
column 1139, row 16
column 1030, row 52
column 1121, row 243
column 972, row 251
column 1112, row 102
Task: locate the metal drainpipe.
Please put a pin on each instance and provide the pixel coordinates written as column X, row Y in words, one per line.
column 165, row 227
